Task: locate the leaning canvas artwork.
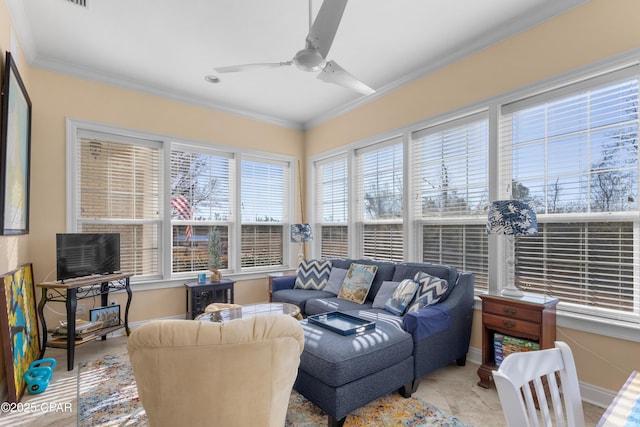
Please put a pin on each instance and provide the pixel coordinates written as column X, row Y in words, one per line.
column 19, row 327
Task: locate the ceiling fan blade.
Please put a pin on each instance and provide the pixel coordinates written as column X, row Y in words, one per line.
column 248, row 67
column 324, row 28
column 333, row 73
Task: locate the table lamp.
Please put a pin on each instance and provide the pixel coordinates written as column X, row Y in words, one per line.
column 301, row 233
column 511, row 218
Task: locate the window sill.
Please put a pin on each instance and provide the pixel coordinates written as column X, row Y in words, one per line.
column 599, row 326
column 153, row 284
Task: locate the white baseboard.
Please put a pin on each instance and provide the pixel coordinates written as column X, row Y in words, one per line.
column 590, row 393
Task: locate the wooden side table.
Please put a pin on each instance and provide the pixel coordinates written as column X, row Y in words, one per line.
column 532, row 317
column 72, row 290
column 200, row 295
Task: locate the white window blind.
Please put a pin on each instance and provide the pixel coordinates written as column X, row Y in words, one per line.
column 264, row 196
column 449, row 165
column 201, row 204
column 332, row 201
column 118, row 191
column 574, row 153
column 380, row 187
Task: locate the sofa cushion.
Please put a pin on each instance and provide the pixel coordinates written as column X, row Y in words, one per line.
column 409, row 271
column 402, row 297
column 384, row 293
column 341, row 262
column 338, row 359
column 357, row 282
column 325, row 305
column 313, row 274
column 430, row 291
column 299, row 297
column 336, row 277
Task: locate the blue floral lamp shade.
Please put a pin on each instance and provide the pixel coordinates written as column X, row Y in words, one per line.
column 511, row 218
column 301, row 233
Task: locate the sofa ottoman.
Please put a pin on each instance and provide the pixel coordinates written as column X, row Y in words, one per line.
column 340, row 373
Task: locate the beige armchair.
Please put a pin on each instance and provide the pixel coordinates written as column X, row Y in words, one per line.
column 238, row 373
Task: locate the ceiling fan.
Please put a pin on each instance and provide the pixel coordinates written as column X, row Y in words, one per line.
column 313, row 56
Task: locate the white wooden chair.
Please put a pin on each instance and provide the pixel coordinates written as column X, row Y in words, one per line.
column 519, row 370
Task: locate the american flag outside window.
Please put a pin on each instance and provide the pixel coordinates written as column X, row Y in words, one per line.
column 184, row 209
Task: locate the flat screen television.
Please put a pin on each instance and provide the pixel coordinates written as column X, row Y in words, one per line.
column 84, row 254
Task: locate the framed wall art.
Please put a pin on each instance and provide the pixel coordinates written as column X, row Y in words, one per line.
column 109, row 316
column 19, row 327
column 15, row 154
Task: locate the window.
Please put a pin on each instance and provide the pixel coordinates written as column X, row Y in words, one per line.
column 201, row 205
column 168, row 200
column 117, row 189
column 449, row 163
column 264, row 194
column 574, row 153
column 332, row 200
column 380, row 187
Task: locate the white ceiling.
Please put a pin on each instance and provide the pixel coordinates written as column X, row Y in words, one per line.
column 166, row 47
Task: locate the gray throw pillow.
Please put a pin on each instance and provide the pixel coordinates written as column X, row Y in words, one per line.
column 336, row 277
column 384, row 293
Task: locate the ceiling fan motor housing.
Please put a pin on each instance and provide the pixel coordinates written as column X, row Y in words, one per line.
column 309, row 59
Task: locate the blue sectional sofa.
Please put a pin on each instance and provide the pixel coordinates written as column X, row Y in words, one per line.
column 340, row 374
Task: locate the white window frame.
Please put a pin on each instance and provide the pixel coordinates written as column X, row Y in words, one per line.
column 317, row 209
column 166, row 278
column 561, row 89
column 566, row 318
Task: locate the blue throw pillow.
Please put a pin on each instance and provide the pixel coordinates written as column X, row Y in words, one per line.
column 384, row 293
column 336, row 277
column 402, row 296
column 313, row 274
column 431, row 290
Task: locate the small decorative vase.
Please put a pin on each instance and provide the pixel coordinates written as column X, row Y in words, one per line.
column 215, row 275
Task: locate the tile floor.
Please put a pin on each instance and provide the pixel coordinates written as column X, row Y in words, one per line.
column 453, row 389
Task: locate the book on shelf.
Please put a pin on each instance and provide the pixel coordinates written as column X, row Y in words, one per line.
column 504, row 345
column 497, row 349
column 83, row 328
column 60, row 341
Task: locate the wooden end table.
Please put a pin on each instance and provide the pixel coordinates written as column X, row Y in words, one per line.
column 532, row 317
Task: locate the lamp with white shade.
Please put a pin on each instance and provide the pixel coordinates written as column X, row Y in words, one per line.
column 511, row 218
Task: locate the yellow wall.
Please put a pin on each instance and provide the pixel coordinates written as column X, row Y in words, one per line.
column 596, row 30
column 57, row 97
column 14, row 250
column 586, row 34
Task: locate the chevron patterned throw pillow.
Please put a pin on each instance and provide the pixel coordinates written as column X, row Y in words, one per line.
column 313, row 274
column 430, row 291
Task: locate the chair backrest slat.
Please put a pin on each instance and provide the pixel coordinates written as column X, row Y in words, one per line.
column 522, row 374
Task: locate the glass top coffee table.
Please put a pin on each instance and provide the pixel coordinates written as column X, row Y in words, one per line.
column 250, row 310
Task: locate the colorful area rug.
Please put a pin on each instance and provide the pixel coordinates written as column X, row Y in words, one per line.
column 107, row 396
